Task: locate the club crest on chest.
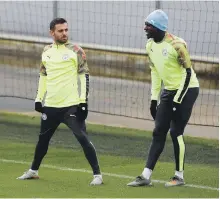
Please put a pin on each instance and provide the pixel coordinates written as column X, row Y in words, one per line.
column 164, row 52
column 65, row 57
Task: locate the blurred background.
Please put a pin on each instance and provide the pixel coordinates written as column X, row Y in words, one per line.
column 112, row 35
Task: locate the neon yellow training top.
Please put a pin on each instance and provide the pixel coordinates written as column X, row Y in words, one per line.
column 169, row 61
column 59, row 71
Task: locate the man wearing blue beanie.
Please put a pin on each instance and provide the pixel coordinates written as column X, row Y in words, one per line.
column 171, row 66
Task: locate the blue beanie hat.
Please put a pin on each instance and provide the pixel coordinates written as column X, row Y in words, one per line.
column 158, row 19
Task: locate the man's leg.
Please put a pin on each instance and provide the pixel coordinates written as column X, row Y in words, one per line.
column 49, row 124
column 178, row 125
column 162, row 125
column 79, row 130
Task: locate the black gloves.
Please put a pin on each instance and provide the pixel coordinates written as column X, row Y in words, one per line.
column 82, row 111
column 153, row 108
column 38, row 107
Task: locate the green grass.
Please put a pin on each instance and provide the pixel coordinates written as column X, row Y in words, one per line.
column 34, row 120
column 58, row 183
column 121, row 151
column 109, row 140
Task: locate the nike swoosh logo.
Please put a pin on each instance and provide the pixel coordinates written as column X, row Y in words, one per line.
column 72, row 115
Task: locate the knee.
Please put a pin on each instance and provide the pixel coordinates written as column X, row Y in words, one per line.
column 175, row 132
column 43, row 142
column 159, row 133
column 177, row 137
column 82, row 139
column 159, row 136
column 158, row 141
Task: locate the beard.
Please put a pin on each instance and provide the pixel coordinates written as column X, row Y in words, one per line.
column 149, row 35
column 62, row 40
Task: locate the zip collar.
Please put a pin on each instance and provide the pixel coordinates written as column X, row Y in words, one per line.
column 164, row 38
column 55, row 45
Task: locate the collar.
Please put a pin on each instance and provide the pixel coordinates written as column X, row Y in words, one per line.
column 164, row 38
column 55, row 45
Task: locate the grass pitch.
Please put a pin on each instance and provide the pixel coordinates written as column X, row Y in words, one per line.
column 65, row 172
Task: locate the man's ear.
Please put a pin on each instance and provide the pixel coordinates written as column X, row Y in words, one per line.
column 52, row 33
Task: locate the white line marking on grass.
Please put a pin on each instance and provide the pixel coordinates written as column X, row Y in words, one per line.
column 103, row 173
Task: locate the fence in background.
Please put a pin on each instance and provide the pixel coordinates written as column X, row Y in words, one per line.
column 113, row 37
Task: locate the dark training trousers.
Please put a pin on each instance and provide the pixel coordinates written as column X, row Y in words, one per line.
column 167, row 119
column 51, row 118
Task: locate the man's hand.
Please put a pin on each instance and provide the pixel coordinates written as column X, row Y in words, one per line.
column 82, row 111
column 153, row 108
column 38, row 107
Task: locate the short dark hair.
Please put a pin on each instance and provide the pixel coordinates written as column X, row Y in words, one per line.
column 56, row 21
